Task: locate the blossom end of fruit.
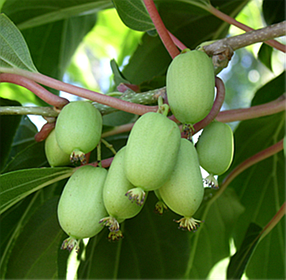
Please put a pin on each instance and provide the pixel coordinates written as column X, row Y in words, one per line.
column 70, row 244
column 136, row 194
column 111, row 223
column 211, row 182
column 159, row 207
column 188, row 223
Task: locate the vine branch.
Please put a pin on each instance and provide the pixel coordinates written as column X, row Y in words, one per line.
column 161, row 29
column 231, row 44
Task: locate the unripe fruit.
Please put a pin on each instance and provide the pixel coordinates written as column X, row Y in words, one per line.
column 184, row 191
column 116, row 203
column 55, row 155
column 78, row 129
column 215, row 148
column 81, row 205
column 190, row 86
column 151, row 153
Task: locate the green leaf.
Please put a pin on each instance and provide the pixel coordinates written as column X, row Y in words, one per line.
column 240, row 259
column 14, row 51
column 190, row 24
column 153, row 246
column 26, row 152
column 8, row 127
column 134, row 14
column 265, row 55
column 273, row 11
column 31, row 13
column 261, row 188
column 16, row 185
column 34, row 255
column 52, row 45
column 271, row 91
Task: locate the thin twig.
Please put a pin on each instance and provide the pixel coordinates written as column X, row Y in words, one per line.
column 161, row 29
column 41, row 92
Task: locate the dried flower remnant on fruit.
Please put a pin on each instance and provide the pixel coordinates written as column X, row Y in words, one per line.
column 160, row 206
column 111, row 223
column 71, row 243
column 188, row 223
column 77, row 155
column 115, row 235
column 137, row 195
column 211, row 182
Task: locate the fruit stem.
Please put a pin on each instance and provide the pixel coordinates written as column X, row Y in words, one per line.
column 108, row 145
column 220, row 95
column 44, row 132
column 41, row 92
column 161, row 29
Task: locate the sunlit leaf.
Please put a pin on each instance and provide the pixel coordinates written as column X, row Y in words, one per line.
column 240, row 259
column 16, row 185
column 31, row 13
column 14, row 52
column 134, row 14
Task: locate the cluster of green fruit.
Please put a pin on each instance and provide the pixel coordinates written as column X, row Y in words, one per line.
column 155, row 158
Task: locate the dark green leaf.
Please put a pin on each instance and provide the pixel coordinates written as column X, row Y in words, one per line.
column 57, row 41
column 153, row 246
column 134, row 14
column 35, row 253
column 32, row 13
column 14, row 50
column 16, row 185
column 261, row 188
column 271, row 91
column 8, row 127
column 118, row 76
column 182, row 19
column 273, row 11
column 240, row 259
column 265, row 55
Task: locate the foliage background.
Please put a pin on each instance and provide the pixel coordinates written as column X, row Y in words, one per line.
column 153, row 247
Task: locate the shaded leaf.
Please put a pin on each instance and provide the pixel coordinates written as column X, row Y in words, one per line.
column 240, row 259
column 270, row 91
column 31, row 13
column 273, row 11
column 265, row 55
column 35, row 253
column 8, row 128
column 153, row 246
column 134, row 14
column 16, row 185
column 261, row 188
column 14, row 51
column 182, row 19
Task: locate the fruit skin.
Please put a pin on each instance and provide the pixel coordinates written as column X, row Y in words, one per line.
column 215, row 148
column 151, row 151
column 115, row 188
column 78, row 127
column 190, row 86
column 184, row 191
column 116, row 203
column 81, row 203
column 55, row 155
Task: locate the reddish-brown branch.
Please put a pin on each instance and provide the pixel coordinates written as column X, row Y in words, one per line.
column 268, row 152
column 44, row 132
column 220, row 95
column 116, row 103
column 161, row 29
column 266, row 109
column 41, row 92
